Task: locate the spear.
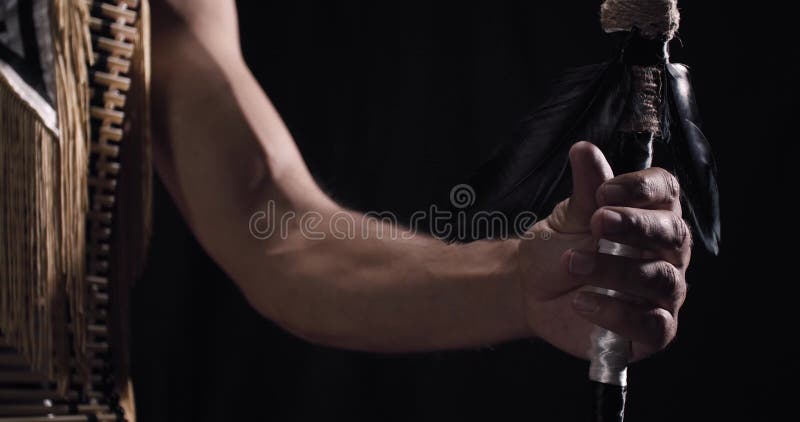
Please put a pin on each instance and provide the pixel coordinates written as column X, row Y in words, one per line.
column 640, row 110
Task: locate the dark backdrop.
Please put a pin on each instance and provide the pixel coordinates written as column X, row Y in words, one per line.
column 393, row 103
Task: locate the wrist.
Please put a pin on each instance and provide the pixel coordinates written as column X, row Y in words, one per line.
column 519, row 278
column 480, row 283
column 513, row 274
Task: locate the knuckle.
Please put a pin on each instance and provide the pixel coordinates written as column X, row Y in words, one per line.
column 646, row 224
column 670, row 282
column 681, row 232
column 639, row 273
column 672, row 188
column 661, row 329
column 642, row 187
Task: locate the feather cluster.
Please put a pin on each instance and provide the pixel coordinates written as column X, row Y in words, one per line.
column 531, row 172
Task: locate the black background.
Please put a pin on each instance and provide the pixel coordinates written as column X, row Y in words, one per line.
column 392, row 104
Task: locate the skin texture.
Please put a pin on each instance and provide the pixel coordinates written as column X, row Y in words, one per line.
column 223, row 151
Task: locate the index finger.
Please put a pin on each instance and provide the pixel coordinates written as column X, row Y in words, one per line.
column 654, row 189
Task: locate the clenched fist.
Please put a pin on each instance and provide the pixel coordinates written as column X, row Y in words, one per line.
column 639, row 209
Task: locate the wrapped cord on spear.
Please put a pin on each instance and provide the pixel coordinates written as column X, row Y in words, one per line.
column 640, row 109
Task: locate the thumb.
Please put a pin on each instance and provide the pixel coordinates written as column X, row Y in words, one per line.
column 589, row 170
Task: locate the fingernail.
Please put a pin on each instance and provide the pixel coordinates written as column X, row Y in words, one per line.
column 614, row 194
column 612, row 222
column 581, row 263
column 585, row 303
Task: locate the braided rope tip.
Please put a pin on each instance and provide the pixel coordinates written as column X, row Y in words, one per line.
column 654, row 19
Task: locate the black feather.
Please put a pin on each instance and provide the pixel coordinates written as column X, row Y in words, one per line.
column 531, row 172
column 695, row 165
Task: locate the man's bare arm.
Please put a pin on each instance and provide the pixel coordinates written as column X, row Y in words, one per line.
column 223, row 152
column 226, row 152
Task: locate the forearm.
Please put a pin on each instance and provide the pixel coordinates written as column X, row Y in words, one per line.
column 385, row 293
column 230, row 155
